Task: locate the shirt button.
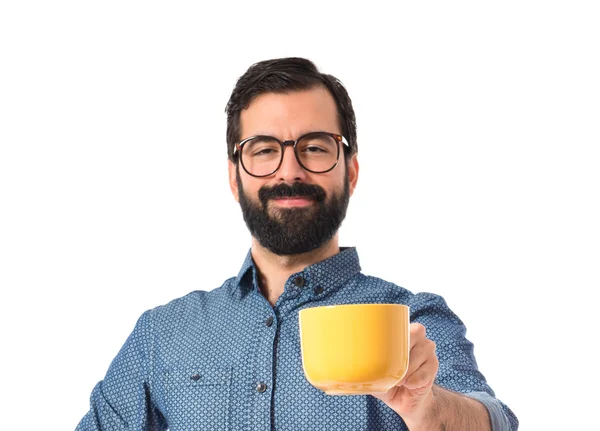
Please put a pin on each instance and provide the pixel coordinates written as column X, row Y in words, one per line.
column 195, row 377
column 318, row 290
column 269, row 321
column 299, row 281
column 261, row 387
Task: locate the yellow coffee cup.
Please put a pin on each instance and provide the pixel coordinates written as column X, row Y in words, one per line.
column 355, row 349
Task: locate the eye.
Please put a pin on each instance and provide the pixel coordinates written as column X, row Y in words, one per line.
column 314, row 149
column 317, row 145
column 263, row 151
column 262, row 147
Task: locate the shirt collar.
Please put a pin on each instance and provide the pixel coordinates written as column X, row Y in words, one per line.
column 246, row 266
column 327, row 274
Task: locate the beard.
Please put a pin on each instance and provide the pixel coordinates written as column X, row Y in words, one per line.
column 296, row 230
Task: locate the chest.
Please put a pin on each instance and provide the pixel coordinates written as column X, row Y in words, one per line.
column 240, row 368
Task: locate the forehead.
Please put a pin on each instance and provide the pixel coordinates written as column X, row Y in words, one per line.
column 288, row 115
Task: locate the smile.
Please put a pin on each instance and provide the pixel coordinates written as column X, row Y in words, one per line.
column 294, row 201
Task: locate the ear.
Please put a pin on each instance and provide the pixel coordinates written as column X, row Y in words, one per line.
column 352, row 167
column 232, row 180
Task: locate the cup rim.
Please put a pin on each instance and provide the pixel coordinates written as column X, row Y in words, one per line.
column 353, row 305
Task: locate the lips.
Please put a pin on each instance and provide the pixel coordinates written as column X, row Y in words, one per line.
column 297, row 194
column 308, row 198
column 290, row 201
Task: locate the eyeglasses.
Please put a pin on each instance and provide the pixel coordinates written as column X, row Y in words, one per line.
column 316, row 152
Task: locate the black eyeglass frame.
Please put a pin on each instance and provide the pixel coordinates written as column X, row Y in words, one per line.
column 239, row 146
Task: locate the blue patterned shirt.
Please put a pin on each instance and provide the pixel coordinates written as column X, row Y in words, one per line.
column 228, row 360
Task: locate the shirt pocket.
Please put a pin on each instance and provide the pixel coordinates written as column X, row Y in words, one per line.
column 198, row 398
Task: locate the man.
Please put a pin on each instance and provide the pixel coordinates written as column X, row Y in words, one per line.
column 230, row 358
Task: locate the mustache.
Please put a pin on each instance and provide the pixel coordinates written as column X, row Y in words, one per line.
column 311, row 191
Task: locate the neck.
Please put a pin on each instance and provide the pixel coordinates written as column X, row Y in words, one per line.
column 274, row 270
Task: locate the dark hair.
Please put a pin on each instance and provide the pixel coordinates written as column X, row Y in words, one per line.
column 283, row 75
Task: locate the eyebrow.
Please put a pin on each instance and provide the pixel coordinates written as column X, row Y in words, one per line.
column 305, row 132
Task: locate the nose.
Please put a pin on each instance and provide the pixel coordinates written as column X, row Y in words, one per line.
column 290, row 170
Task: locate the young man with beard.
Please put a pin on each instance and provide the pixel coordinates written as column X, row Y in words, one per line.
column 230, row 358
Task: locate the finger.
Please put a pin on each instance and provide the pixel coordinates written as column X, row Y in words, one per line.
column 419, row 354
column 387, row 396
column 424, row 376
column 417, row 333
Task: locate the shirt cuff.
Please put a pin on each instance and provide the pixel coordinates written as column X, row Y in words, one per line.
column 498, row 418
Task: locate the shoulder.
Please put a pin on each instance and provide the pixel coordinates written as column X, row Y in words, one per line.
column 193, row 305
column 383, row 287
column 421, row 302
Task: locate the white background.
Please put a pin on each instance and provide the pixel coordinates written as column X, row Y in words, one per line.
column 478, row 128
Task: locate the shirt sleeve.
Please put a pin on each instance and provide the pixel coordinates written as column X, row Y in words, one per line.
column 457, row 366
column 122, row 401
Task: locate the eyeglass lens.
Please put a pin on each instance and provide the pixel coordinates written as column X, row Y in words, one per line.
column 316, row 153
